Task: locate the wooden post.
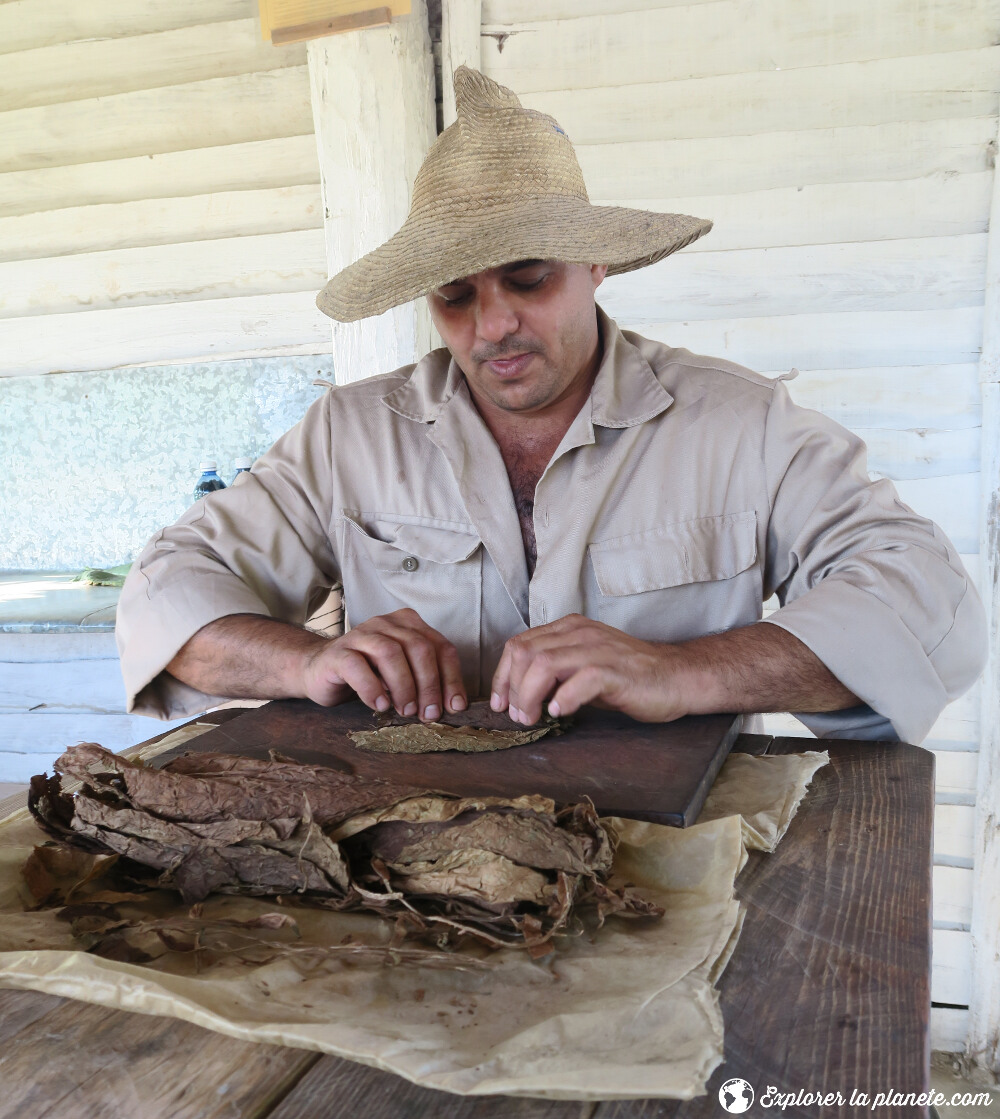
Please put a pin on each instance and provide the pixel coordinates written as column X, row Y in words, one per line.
column 373, row 109
column 984, row 1010
column 461, row 45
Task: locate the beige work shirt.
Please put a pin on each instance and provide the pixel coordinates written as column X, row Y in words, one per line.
column 684, row 493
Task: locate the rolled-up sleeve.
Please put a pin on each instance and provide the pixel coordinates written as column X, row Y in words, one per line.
column 260, row 547
column 877, row 592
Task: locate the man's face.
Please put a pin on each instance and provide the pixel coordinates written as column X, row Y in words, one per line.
column 524, row 334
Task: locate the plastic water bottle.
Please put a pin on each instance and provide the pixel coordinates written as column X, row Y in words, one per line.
column 209, row 480
column 242, row 467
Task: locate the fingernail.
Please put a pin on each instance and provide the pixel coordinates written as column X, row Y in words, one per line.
column 410, row 709
column 495, row 702
column 432, row 712
column 457, row 703
column 381, row 703
column 554, row 709
column 514, row 714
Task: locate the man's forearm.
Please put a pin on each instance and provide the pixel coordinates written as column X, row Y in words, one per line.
column 759, row 668
column 247, row 656
column 389, row 660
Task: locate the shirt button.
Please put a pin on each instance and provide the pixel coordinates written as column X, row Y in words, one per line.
column 411, row 563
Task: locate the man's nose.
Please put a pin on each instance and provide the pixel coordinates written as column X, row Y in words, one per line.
column 495, row 315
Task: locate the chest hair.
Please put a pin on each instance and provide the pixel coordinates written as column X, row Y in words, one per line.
column 525, row 466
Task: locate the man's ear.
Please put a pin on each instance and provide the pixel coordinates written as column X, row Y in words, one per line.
column 597, row 274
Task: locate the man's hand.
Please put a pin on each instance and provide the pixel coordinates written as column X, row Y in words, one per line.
column 576, row 661
column 391, row 660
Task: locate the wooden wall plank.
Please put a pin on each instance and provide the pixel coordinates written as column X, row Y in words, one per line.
column 524, row 11
column 729, row 37
column 921, row 453
column 984, row 1009
column 461, row 45
column 31, row 743
column 195, row 115
column 883, row 91
column 254, row 165
column 955, row 774
column 905, row 150
column 958, row 723
column 171, row 332
column 24, row 648
column 374, row 108
column 850, row 339
column 901, row 397
column 951, row 973
column 92, row 686
column 971, row 563
column 949, row 1029
column 952, row 894
column 827, row 213
column 217, row 269
column 106, row 67
column 928, row 272
column 160, row 221
column 954, row 834
column 951, row 501
column 28, row 24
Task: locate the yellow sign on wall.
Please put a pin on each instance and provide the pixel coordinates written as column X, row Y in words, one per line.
column 290, row 21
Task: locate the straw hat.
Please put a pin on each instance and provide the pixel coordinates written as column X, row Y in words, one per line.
column 500, row 184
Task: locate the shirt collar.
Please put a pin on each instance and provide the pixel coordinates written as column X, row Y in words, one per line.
column 626, row 391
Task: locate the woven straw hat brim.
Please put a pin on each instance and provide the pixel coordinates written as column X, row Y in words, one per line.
column 433, row 249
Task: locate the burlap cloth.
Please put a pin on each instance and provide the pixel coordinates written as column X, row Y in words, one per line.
column 628, row 1011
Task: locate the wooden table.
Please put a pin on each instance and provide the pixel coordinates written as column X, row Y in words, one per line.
column 828, row 990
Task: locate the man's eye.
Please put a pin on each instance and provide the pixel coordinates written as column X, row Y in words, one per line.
column 527, row 285
column 455, row 300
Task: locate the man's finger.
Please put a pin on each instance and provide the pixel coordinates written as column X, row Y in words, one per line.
column 355, row 671
column 389, row 659
column 452, row 684
column 585, row 686
column 422, row 657
column 500, row 687
column 548, row 667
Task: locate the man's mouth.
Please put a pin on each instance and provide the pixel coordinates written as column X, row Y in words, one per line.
column 510, row 366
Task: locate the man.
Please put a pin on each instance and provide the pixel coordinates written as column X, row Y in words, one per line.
column 551, row 511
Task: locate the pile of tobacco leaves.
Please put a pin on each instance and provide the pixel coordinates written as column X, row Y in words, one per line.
column 444, row 868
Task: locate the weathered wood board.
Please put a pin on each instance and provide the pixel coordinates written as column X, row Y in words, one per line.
column 648, row 771
column 956, row 84
column 164, row 333
column 728, row 37
column 254, row 165
column 161, row 221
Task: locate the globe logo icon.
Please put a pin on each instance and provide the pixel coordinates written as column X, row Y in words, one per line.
column 736, row 1096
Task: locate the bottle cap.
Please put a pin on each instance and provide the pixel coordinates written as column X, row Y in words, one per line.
column 208, row 464
column 243, row 463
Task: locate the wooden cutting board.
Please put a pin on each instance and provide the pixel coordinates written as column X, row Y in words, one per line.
column 648, row 771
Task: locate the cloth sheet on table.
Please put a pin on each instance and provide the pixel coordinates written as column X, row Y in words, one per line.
column 629, row 1010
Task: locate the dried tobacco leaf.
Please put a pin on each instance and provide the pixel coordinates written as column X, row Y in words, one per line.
column 502, row 871
column 427, row 738
column 472, row 731
column 56, row 875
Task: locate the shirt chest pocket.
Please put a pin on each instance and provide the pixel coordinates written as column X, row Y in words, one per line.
column 679, row 580
column 434, row 570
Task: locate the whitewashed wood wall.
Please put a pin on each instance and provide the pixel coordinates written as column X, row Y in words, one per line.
column 845, row 153
column 159, row 187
